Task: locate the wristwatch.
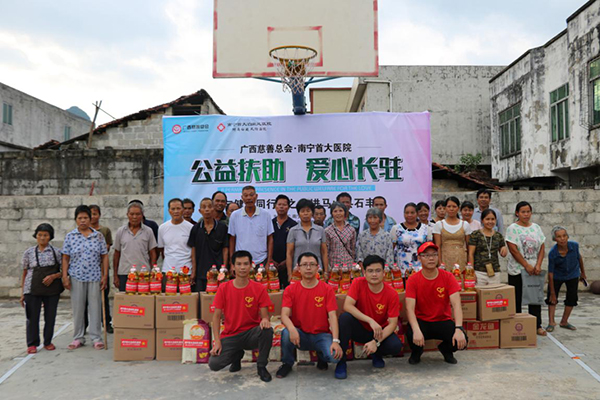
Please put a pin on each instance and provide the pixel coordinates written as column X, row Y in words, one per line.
column 336, row 341
column 377, row 343
column 462, row 329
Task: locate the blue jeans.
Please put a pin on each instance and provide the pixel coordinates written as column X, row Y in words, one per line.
column 320, row 342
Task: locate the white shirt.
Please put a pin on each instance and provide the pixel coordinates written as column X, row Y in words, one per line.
column 173, row 238
column 437, row 228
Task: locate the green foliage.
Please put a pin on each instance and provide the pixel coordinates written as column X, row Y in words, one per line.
column 469, row 162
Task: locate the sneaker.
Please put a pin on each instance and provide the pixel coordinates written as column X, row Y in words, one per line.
column 449, row 358
column 265, row 376
column 237, row 365
column 378, row 361
column 414, row 360
column 341, row 370
column 322, row 365
column 284, row 370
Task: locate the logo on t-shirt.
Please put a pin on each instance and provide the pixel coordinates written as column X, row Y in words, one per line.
column 380, row 307
column 441, row 292
column 319, row 301
column 249, row 301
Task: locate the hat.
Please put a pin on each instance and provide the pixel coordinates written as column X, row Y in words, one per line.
column 426, row 246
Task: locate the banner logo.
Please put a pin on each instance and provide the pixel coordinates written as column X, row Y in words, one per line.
column 176, row 129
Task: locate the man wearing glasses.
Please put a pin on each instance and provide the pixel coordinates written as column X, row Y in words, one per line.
column 371, row 317
column 309, row 315
column 429, row 294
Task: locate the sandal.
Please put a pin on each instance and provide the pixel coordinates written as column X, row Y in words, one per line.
column 31, row 350
column 569, row 327
column 98, row 345
column 75, row 344
column 50, row 347
column 550, row 328
column 541, row 332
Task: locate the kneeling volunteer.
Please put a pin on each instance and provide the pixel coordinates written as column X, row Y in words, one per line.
column 429, row 294
column 371, row 317
column 247, row 325
column 313, row 307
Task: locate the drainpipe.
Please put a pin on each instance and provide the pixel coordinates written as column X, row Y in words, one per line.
column 389, row 83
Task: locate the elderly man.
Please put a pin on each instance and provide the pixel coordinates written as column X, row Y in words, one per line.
column 134, row 245
column 484, row 198
column 173, row 238
column 387, row 222
column 352, row 219
column 429, row 294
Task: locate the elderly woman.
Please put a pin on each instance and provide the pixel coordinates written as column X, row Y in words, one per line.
column 340, row 236
column 375, row 240
column 565, row 266
column 407, row 237
column 306, row 237
column 41, row 286
column 85, row 274
column 525, row 241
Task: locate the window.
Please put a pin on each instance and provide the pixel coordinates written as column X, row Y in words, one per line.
column 595, row 89
column 559, row 113
column 7, row 114
column 510, row 131
column 67, row 134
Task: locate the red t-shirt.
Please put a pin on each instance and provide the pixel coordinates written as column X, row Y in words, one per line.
column 379, row 306
column 432, row 296
column 310, row 307
column 241, row 307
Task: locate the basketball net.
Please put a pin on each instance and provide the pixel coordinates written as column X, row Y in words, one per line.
column 293, row 64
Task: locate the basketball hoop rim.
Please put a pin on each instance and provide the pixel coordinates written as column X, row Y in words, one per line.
column 305, row 59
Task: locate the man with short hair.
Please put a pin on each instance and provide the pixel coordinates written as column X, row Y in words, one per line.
column 319, row 215
column 134, row 245
column 371, row 316
column 251, row 228
column 209, row 242
column 148, row 222
column 387, row 222
column 352, row 219
column 309, row 313
column 484, row 198
column 282, row 224
column 219, row 201
column 247, row 325
column 173, row 237
column 188, row 210
column 105, row 231
column 429, row 294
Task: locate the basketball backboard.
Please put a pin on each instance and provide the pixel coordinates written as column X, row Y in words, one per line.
column 343, row 32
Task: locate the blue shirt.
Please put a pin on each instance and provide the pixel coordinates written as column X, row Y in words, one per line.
column 85, row 255
column 251, row 232
column 567, row 267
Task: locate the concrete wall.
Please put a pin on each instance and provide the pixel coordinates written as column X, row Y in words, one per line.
column 529, row 81
column 34, row 121
column 51, row 172
column 577, row 210
column 456, row 96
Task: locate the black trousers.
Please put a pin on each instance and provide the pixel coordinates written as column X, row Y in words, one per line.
column 352, row 329
column 33, row 309
column 535, row 310
column 440, row 330
column 233, row 348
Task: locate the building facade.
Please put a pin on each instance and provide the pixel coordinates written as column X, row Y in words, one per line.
column 545, row 110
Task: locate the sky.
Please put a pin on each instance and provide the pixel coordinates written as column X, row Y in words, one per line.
column 136, row 54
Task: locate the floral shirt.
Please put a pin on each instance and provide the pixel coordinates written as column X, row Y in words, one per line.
column 341, row 244
column 29, row 262
column 380, row 244
column 407, row 243
column 353, row 220
column 85, row 255
column 529, row 240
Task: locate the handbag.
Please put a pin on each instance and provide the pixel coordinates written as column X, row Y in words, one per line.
column 39, row 273
column 533, row 288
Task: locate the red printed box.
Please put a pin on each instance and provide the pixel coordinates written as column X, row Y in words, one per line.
column 133, row 311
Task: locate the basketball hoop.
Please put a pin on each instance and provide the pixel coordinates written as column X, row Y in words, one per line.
column 293, row 65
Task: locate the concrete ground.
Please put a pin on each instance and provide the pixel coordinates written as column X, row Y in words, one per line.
column 544, row 372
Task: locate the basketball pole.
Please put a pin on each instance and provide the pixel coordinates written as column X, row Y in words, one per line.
column 298, row 99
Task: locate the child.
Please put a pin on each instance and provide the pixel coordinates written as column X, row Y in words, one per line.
column 466, row 212
column 565, row 265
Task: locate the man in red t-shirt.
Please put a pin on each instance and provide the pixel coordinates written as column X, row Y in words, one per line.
column 371, row 317
column 429, row 294
column 309, row 314
column 247, row 327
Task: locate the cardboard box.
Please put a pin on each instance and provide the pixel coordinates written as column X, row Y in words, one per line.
column 495, row 302
column 483, row 335
column 402, row 316
column 169, row 343
column 206, row 308
column 340, row 298
column 468, row 301
column 276, row 299
column 134, row 344
column 171, row 311
column 518, row 332
column 133, row 311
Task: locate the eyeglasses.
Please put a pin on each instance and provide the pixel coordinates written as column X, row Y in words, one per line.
column 309, row 265
column 431, row 256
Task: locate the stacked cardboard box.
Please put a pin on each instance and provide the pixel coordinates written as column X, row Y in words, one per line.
column 171, row 311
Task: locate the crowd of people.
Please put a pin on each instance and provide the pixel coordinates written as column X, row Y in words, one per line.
column 456, row 234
